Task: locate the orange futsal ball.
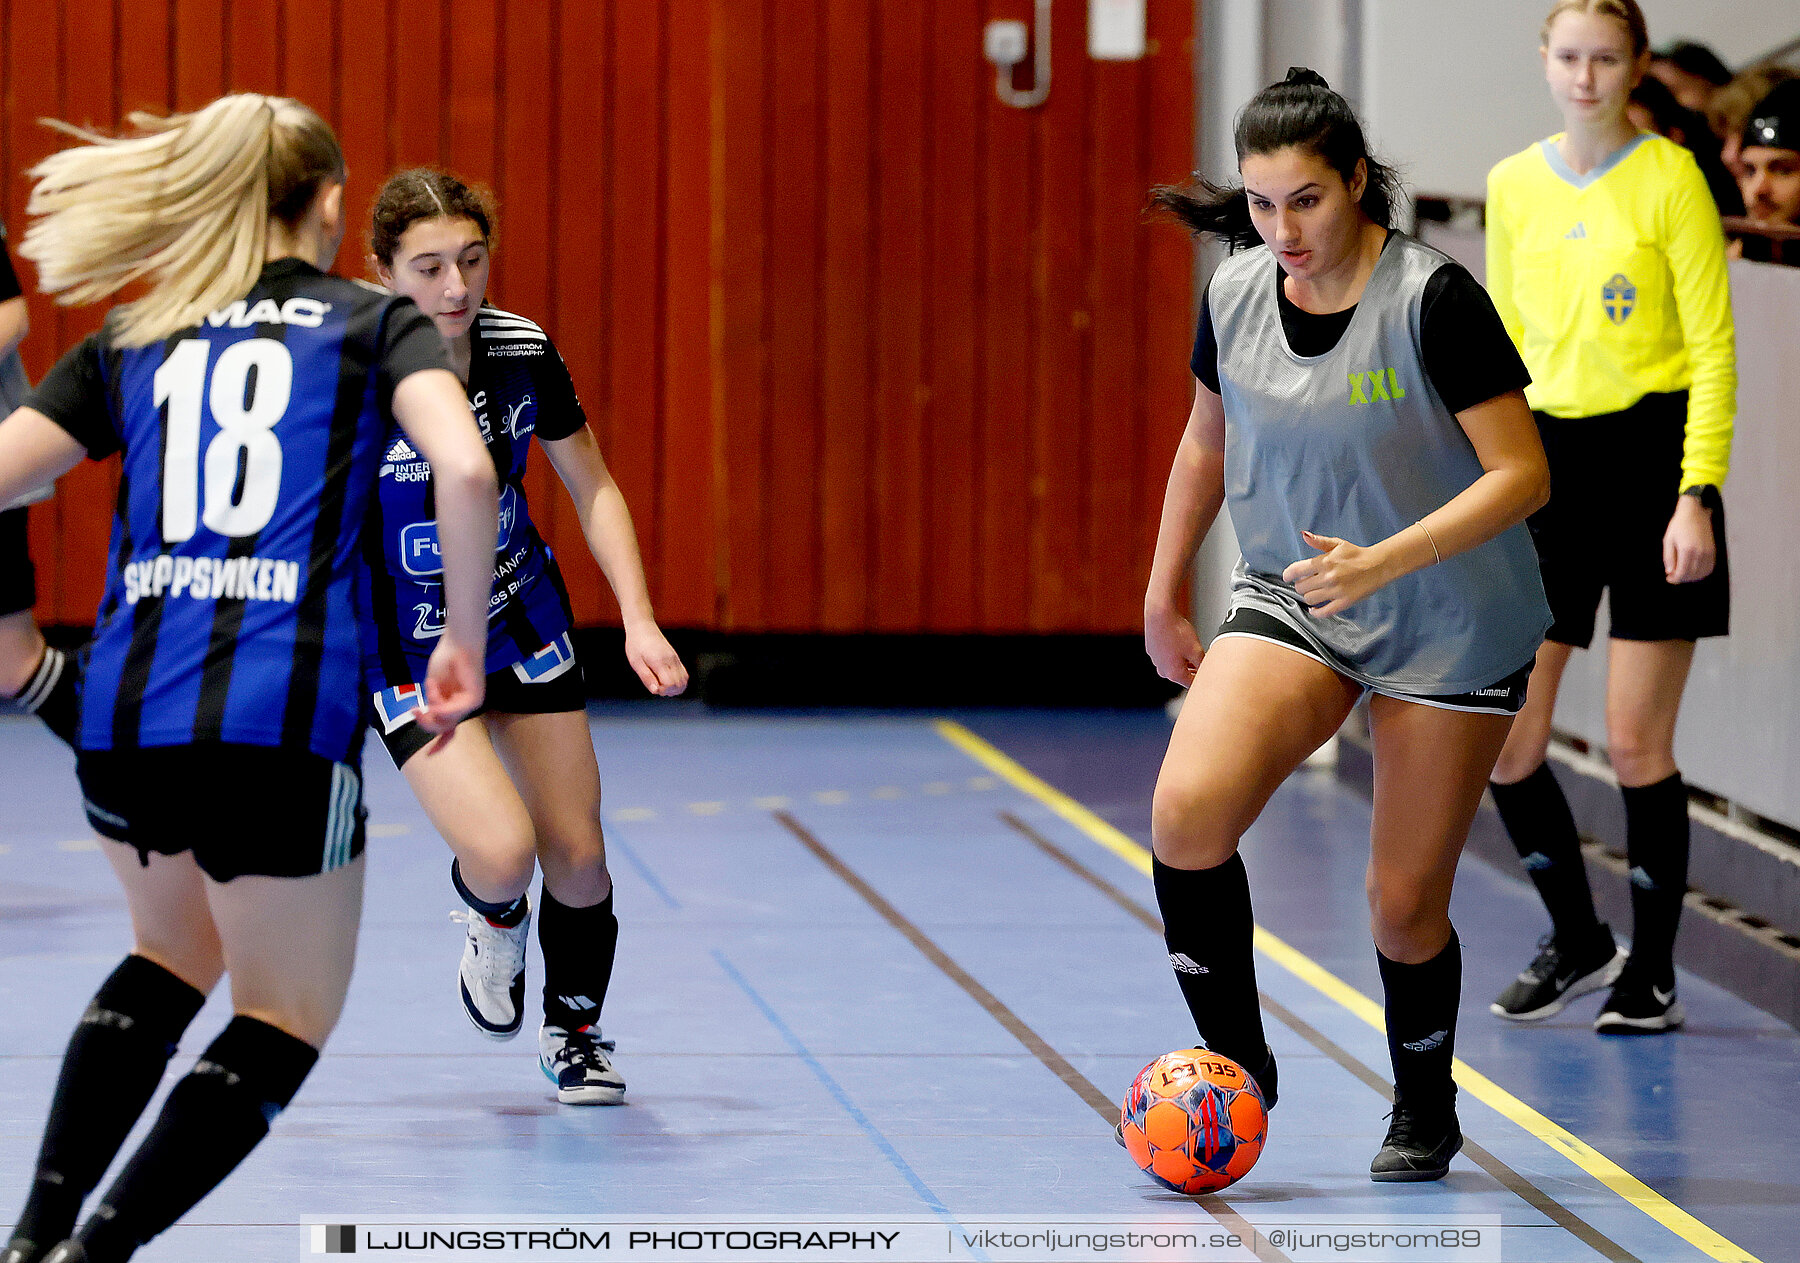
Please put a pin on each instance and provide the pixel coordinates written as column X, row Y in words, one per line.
column 1194, row 1121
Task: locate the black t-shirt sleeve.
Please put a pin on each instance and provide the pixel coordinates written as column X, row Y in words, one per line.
column 73, row 394
column 1468, row 354
column 410, row 343
column 1205, row 360
column 9, row 279
column 559, row 411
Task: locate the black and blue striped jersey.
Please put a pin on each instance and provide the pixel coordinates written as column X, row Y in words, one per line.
column 249, row 446
column 518, row 386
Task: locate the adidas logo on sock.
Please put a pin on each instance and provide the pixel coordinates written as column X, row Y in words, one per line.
column 1537, row 861
column 1641, row 879
column 1185, row 964
column 575, row 1001
column 1428, row 1043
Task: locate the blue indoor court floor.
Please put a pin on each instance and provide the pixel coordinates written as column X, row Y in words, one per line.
column 888, row 964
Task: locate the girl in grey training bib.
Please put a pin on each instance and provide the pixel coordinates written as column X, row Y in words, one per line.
column 1359, row 409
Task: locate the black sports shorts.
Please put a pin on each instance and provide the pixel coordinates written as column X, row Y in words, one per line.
column 1614, row 481
column 521, row 689
column 242, row 810
column 1503, row 697
column 18, row 580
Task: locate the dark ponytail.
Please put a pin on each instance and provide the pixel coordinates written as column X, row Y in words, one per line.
column 1301, row 111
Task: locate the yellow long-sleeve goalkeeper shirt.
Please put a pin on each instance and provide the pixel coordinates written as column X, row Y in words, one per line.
column 1613, row 286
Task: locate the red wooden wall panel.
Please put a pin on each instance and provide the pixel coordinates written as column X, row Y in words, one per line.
column 790, row 544
column 577, row 312
column 86, row 98
column 691, row 591
column 901, row 267
column 628, row 200
column 952, row 443
column 739, row 301
column 849, row 333
column 1167, row 270
column 309, row 54
column 1114, row 322
column 365, row 95
column 867, row 349
column 253, row 45
column 197, row 30
column 1061, row 569
column 1010, row 201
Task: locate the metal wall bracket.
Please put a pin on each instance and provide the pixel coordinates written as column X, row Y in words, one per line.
column 1003, row 43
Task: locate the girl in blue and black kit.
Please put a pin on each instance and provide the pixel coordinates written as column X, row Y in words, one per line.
column 519, row 788
column 219, row 735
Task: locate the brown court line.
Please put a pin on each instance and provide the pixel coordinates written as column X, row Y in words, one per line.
column 1510, row 1179
column 1052, row 1060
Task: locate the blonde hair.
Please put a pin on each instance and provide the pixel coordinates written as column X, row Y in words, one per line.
column 186, row 203
column 1626, row 11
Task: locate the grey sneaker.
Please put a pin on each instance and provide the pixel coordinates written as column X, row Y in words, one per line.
column 1557, row 975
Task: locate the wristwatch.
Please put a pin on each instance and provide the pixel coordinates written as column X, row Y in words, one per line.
column 1705, row 493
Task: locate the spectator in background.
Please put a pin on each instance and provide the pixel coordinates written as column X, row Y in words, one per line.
column 1692, row 72
column 1730, row 108
column 1771, row 179
column 1654, row 108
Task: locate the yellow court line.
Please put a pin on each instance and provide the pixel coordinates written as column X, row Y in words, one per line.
column 1484, row 1089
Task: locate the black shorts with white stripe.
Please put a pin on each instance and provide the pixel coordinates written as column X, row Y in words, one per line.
column 510, row 691
column 242, row 810
column 1503, row 697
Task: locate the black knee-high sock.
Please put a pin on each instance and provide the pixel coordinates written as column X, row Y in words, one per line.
column 111, row 1070
column 1656, row 843
column 1542, row 828
column 1209, row 928
column 504, row 915
column 1421, row 1025
column 51, row 693
column 212, row 1120
column 579, row 945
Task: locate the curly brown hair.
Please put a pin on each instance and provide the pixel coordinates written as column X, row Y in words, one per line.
column 425, row 193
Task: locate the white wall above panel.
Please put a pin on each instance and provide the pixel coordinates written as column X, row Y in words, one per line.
column 1449, row 87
